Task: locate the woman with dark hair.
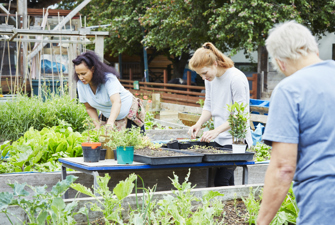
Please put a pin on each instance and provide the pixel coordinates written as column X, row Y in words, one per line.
column 99, row 89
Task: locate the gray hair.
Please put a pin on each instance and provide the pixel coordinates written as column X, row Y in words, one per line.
column 290, row 40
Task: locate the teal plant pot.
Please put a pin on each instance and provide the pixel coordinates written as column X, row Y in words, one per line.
column 125, row 155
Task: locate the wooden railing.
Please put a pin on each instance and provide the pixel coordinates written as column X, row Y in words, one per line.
column 189, row 94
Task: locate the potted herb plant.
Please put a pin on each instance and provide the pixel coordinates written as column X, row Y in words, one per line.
column 125, row 142
column 91, row 150
column 238, row 121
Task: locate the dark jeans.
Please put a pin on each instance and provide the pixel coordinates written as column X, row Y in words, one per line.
column 130, row 123
column 224, row 175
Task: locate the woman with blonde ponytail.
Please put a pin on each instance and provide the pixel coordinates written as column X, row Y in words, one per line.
column 224, row 84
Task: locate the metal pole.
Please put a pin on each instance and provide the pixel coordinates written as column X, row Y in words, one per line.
column 146, row 69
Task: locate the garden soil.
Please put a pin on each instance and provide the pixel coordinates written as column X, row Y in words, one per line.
column 235, row 213
column 157, row 152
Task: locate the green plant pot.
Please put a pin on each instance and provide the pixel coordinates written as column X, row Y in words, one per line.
column 125, row 155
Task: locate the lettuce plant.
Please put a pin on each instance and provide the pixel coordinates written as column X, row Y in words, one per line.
column 40, row 150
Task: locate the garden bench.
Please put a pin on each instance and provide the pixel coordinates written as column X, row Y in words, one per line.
column 110, row 165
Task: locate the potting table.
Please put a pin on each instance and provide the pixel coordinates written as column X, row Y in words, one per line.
column 110, row 165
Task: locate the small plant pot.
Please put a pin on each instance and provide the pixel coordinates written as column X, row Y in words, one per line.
column 103, row 154
column 198, row 143
column 125, row 155
column 238, row 148
column 184, row 145
column 115, row 155
column 173, row 144
column 91, row 151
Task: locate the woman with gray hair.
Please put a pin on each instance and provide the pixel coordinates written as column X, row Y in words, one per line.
column 300, row 128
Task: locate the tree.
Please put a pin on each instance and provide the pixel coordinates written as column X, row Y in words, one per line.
column 245, row 24
column 176, row 27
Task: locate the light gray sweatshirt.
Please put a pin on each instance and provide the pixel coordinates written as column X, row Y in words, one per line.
column 231, row 87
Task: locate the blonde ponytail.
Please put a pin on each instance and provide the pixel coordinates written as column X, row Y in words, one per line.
column 207, row 55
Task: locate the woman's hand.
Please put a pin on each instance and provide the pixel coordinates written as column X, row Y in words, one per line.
column 194, row 130
column 209, row 135
column 109, row 126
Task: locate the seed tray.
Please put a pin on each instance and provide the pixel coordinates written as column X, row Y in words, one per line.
column 226, row 157
column 190, row 157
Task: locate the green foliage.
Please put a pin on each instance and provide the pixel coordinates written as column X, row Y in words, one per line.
column 287, row 213
column 126, row 137
column 111, row 204
column 17, row 116
column 262, row 151
column 150, row 123
column 201, row 102
column 238, row 122
column 177, row 26
column 179, row 209
column 40, row 150
column 244, row 24
column 41, row 207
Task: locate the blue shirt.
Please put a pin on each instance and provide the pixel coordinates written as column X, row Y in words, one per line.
column 302, row 111
column 101, row 99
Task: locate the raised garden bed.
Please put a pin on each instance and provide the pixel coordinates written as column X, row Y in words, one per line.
column 166, row 156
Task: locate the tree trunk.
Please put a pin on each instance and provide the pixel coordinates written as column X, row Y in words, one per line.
column 262, row 67
column 179, row 64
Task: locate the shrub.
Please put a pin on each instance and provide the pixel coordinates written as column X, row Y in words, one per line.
column 17, row 116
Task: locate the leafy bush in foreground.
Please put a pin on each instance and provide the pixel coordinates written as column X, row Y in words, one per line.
column 17, row 116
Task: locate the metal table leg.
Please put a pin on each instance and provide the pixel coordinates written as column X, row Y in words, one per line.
column 245, row 175
column 66, row 194
column 95, row 183
column 209, row 176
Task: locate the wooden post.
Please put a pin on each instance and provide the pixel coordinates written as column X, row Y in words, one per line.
column 130, row 74
column 188, row 79
column 165, row 78
column 156, row 102
column 99, row 47
column 254, row 85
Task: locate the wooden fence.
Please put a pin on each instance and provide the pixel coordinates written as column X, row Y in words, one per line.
column 177, row 93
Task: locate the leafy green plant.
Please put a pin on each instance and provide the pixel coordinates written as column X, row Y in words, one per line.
column 16, row 117
column 126, row 137
column 201, row 102
column 40, row 150
column 238, row 121
column 41, row 207
column 180, row 210
column 150, row 123
column 262, row 151
column 287, row 213
column 111, row 203
column 144, row 212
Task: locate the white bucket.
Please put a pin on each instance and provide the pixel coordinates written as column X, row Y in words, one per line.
column 239, row 148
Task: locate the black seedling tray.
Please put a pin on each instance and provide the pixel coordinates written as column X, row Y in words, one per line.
column 226, row 157
column 190, row 157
